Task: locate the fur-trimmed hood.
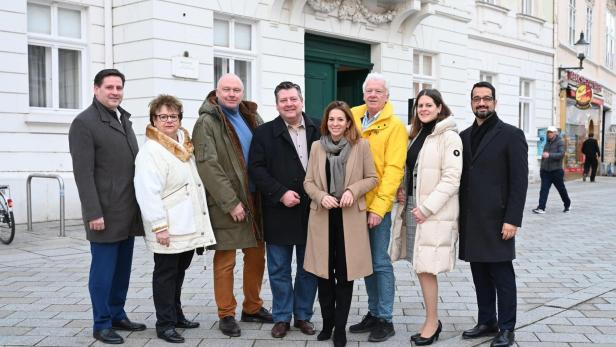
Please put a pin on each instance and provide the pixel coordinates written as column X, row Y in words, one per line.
column 182, row 151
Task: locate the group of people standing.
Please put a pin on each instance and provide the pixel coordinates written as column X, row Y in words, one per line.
column 322, row 191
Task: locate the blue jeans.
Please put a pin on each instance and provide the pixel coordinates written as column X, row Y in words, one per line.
column 109, row 278
column 289, row 300
column 556, row 178
column 381, row 284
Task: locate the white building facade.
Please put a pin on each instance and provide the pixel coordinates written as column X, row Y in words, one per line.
column 53, row 49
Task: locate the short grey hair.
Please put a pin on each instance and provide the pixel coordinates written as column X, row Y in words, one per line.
column 375, row 76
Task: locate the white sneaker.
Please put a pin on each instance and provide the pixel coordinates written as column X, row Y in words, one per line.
column 539, row 211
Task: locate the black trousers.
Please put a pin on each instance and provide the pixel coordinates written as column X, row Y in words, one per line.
column 591, row 164
column 494, row 280
column 167, row 280
column 335, row 293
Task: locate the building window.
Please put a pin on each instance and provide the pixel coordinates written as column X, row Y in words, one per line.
column 525, row 105
column 56, row 49
column 572, row 22
column 234, row 51
column 610, row 46
column 424, row 76
column 487, row 77
column 588, row 36
column 527, row 7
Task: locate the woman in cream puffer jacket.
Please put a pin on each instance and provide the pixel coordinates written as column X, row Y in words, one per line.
column 429, row 232
column 174, row 209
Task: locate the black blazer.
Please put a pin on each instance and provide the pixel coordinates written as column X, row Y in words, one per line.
column 274, row 167
column 492, row 192
column 103, row 153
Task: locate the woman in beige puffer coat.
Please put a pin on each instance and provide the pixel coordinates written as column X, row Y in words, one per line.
column 430, row 190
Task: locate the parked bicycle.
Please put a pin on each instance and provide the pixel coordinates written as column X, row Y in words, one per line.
column 7, row 219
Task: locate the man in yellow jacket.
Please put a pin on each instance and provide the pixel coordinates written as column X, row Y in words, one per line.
column 388, row 140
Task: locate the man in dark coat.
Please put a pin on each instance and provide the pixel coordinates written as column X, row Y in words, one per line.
column 103, row 147
column 591, row 151
column 552, row 172
column 222, row 137
column 277, row 166
column 492, row 195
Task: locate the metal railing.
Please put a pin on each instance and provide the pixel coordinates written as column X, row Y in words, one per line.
column 29, row 200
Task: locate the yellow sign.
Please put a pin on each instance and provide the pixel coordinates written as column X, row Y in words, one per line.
column 583, row 96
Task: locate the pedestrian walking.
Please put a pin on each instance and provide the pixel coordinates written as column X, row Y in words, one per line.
column 492, row 195
column 552, row 172
column 591, row 151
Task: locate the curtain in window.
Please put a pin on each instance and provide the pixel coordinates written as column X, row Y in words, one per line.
column 68, row 70
column 37, row 76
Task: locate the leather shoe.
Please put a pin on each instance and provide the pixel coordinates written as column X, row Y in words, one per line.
column 126, row 324
column 306, row 327
column 279, row 330
column 261, row 316
column 186, row 324
column 171, row 336
column 108, row 336
column 480, row 330
column 228, row 325
column 505, row 338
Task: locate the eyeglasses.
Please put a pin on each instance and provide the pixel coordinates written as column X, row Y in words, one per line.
column 486, row 99
column 168, row 117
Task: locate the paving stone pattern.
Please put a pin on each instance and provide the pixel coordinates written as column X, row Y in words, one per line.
column 566, row 277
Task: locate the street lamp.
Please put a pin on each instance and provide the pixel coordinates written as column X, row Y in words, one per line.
column 580, row 46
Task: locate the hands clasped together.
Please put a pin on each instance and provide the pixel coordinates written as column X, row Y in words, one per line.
column 346, row 200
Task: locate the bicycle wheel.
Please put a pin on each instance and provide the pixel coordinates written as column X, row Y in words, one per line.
column 7, row 222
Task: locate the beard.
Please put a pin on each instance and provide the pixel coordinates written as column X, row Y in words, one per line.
column 483, row 113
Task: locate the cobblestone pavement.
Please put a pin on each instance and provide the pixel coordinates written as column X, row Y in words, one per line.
column 566, row 277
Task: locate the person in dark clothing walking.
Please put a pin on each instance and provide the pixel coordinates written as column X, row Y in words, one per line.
column 552, row 172
column 591, row 151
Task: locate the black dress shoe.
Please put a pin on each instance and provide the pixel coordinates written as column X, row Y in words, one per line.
column 126, row 324
column 108, row 336
column 480, row 330
column 171, row 336
column 186, row 324
column 505, row 338
column 261, row 316
column 228, row 325
column 425, row 341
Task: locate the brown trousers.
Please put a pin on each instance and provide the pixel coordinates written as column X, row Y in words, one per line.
column 254, row 266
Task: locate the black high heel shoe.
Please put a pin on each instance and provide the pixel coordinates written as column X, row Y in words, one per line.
column 325, row 334
column 340, row 339
column 425, row 341
column 414, row 337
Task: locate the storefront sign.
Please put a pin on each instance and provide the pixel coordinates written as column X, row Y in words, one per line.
column 572, row 76
column 583, row 96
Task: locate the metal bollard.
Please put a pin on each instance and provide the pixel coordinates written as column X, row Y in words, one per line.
column 29, row 199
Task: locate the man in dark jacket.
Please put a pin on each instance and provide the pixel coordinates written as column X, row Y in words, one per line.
column 222, row 137
column 492, row 195
column 591, row 151
column 552, row 171
column 278, row 160
column 103, row 147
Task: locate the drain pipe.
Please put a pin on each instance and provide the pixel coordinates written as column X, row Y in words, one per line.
column 108, row 34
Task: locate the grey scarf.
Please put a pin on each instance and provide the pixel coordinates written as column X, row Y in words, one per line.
column 337, row 154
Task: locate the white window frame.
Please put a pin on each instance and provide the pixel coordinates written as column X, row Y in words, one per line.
column 588, row 37
column 233, row 54
column 488, row 77
column 525, row 123
column 610, row 39
column 420, row 79
column 571, row 29
column 55, row 42
column 527, row 7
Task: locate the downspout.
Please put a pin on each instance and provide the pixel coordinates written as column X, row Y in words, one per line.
column 108, row 34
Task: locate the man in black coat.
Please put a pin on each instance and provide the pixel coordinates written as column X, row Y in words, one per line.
column 277, row 166
column 103, row 147
column 591, row 151
column 492, row 195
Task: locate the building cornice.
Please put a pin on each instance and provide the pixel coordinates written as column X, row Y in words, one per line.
column 524, row 46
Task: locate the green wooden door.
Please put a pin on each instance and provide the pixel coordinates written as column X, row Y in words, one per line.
column 334, row 70
column 320, row 87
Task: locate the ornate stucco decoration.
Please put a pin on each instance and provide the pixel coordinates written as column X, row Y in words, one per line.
column 353, row 10
column 611, row 6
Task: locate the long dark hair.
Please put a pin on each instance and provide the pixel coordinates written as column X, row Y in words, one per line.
column 435, row 95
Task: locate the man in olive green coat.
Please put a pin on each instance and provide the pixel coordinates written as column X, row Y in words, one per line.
column 222, row 137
